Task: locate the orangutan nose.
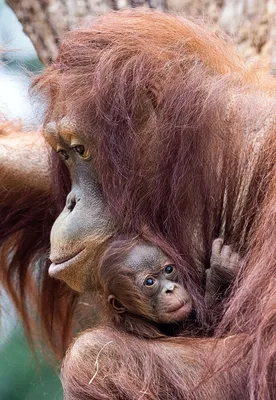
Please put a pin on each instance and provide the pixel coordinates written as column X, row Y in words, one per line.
column 71, row 203
column 169, row 287
column 72, row 200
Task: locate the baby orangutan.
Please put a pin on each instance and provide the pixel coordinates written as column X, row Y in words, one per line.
column 141, row 284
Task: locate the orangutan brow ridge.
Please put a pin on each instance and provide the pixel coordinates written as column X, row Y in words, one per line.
column 62, row 134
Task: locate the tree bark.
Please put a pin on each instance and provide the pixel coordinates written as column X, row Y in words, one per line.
column 45, row 21
column 250, row 23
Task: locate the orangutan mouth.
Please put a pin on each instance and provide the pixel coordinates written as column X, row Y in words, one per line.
column 176, row 307
column 60, row 264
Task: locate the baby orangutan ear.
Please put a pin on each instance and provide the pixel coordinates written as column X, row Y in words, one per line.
column 116, row 304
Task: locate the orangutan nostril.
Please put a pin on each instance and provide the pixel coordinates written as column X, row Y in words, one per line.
column 71, row 203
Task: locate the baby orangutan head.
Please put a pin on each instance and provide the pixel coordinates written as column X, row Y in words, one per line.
column 139, row 279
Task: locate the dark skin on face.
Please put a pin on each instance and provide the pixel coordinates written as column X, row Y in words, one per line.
column 156, row 278
column 84, row 225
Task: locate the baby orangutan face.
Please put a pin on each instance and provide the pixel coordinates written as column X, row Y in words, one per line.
column 147, row 284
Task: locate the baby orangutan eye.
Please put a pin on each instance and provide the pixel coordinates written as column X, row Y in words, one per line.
column 149, row 281
column 63, row 154
column 169, row 269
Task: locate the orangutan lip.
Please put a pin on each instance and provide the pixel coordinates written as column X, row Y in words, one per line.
column 60, row 264
column 176, row 308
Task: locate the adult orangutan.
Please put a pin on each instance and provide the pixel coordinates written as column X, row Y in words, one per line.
column 158, row 123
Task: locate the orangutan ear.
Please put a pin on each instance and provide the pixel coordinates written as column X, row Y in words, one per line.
column 118, row 307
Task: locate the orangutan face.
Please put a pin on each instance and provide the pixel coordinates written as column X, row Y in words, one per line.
column 155, row 290
column 84, row 225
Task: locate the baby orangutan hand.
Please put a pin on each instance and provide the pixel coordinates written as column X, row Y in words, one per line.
column 224, row 266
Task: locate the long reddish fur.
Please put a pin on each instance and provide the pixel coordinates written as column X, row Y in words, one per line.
column 108, row 364
column 171, row 111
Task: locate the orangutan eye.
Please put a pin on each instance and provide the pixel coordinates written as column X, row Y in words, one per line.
column 63, row 154
column 169, row 269
column 149, row 281
column 79, row 148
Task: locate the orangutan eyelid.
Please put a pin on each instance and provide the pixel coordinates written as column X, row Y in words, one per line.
column 64, row 154
column 79, row 148
column 116, row 304
column 81, row 151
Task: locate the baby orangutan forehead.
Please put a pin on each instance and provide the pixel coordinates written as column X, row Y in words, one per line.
column 143, row 256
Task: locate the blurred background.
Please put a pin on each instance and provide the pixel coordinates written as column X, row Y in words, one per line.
column 21, row 376
column 250, row 23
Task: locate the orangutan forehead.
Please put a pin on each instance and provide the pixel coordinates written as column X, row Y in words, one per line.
column 145, row 256
column 63, row 131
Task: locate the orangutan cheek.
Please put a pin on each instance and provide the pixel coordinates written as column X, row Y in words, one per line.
column 83, row 216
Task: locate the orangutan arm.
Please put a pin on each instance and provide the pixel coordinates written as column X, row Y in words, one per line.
column 105, row 363
column 23, row 163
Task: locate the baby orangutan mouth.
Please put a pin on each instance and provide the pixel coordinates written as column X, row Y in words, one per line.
column 178, row 307
column 178, row 312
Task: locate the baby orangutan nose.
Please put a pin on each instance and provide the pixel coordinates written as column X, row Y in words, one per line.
column 169, row 287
